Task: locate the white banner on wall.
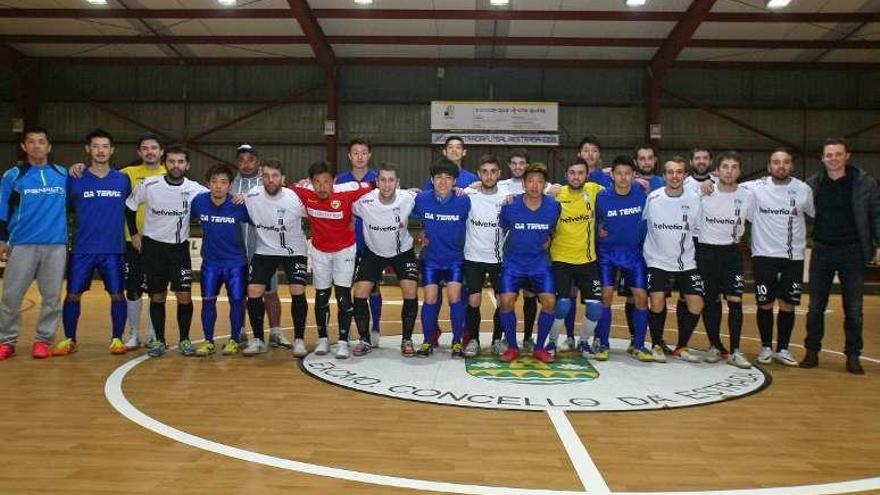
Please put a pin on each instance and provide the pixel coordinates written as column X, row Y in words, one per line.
column 495, row 116
column 499, row 139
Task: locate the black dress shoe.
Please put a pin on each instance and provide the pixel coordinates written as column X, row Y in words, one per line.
column 854, row 366
column 811, row 360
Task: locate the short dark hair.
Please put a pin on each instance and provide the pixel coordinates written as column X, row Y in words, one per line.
column 389, row 167
column 98, row 133
column 519, row 152
column 36, row 130
column 149, row 137
column 577, row 161
column 361, row 141
column 319, row 168
column 833, row 141
column 624, row 160
column 645, row 146
column 676, row 159
column 697, row 149
column 220, row 169
column 728, row 155
column 274, row 164
column 488, row 158
column 178, row 150
column 589, row 139
column 536, row 168
column 453, row 138
column 444, row 166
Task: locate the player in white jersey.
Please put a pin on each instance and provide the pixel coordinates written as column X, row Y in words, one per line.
column 164, row 244
column 483, row 248
column 277, row 214
column 779, row 238
column 701, row 170
column 671, row 214
column 384, row 214
column 721, row 225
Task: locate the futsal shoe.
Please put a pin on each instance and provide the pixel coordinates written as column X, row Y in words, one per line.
column 457, row 350
column 299, row 348
column 425, row 350
column 666, row 347
column 186, row 348
column 811, row 360
column 231, row 347
column 510, row 354
column 277, row 339
column 407, row 349
column 854, row 366
column 528, row 345
column 785, row 357
column 62, row 348
column 362, row 348
column 157, row 348
column 498, row 347
column 765, row 356
column 205, row 349
column 117, row 346
column 713, row 355
column 659, row 354
column 472, row 349
column 644, row 355
column 570, row 344
column 342, row 350
column 602, row 353
column 6, row 351
column 323, row 346
column 543, row 355
column 133, row 343
column 255, row 346
column 41, row 350
column 739, row 360
column 585, row 349
column 683, row 354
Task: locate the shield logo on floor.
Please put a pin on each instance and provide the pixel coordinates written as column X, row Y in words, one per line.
column 526, row 370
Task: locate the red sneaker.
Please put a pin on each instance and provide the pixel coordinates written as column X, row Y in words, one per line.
column 41, row 350
column 543, row 355
column 510, row 354
column 6, row 351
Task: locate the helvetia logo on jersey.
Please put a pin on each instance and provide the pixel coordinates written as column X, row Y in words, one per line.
column 528, row 371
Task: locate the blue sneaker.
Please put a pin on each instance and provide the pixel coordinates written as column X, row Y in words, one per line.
column 156, row 348
column 584, row 349
column 186, row 348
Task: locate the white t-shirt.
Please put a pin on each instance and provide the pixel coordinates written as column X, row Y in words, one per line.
column 779, row 229
column 512, row 186
column 692, row 185
column 167, row 210
column 669, row 244
column 484, row 241
column 723, row 216
column 278, row 222
column 385, row 225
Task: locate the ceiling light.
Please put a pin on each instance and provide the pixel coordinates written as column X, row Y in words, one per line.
column 364, row 2
column 499, row 2
column 227, row 3
column 635, row 3
column 777, row 4
column 96, row 2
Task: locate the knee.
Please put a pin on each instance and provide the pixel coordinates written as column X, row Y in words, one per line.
column 562, row 307
column 593, row 310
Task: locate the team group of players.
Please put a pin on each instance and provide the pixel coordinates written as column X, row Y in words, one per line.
column 624, row 229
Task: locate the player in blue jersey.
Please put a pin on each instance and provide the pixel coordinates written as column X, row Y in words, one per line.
column 590, row 150
column 359, row 154
column 443, row 214
column 224, row 260
column 621, row 234
column 454, row 151
column 529, row 221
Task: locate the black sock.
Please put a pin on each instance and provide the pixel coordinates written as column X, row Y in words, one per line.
column 530, row 312
column 687, row 322
column 299, row 309
column 712, row 320
column 656, row 322
column 256, row 309
column 496, row 325
column 408, row 316
column 628, row 309
column 157, row 316
column 734, row 323
column 765, row 326
column 473, row 322
column 322, row 311
column 344, row 313
column 785, row 325
column 362, row 316
column 184, row 319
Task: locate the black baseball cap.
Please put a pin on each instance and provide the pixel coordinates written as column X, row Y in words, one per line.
column 246, row 148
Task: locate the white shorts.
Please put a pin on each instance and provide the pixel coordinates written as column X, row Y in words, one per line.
column 329, row 269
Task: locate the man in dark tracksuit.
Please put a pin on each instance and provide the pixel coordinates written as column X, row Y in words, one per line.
column 846, row 237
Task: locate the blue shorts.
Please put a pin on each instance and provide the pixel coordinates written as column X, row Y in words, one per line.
column 629, row 262
column 80, row 268
column 435, row 275
column 539, row 280
column 235, row 278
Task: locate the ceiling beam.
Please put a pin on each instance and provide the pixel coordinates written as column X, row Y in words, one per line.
column 315, row 35
column 444, row 14
column 824, row 44
column 679, row 37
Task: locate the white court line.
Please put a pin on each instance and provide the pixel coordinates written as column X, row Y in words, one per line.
column 583, row 464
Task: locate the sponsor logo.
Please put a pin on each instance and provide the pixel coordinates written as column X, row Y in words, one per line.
column 335, row 204
column 525, row 370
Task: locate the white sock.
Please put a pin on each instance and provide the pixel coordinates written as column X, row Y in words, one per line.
column 588, row 331
column 134, row 316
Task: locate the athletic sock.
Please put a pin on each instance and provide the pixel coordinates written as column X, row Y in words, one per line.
column 429, row 320
column 70, row 317
column 408, row 316
column 656, row 322
column 735, row 323
column 322, row 310
column 640, row 327
column 569, row 319
column 157, row 316
column 256, row 310
column 785, row 325
column 117, row 317
column 209, row 318
column 628, row 309
column 473, row 322
column 687, row 322
column 530, row 312
column 376, row 309
column 712, row 321
column 603, row 328
column 456, row 314
column 299, row 309
column 361, row 315
column 184, row 319
column 508, row 325
column 545, row 320
column 133, row 315
column 765, row 326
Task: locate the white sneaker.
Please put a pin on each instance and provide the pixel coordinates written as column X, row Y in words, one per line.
column 499, row 347
column 323, row 346
column 254, row 347
column 685, row 355
column 765, row 356
column 659, row 355
column 299, row 348
column 342, row 350
column 713, row 355
column 472, row 349
column 739, row 360
column 785, row 357
column 374, row 339
column 277, row 339
column 132, row 344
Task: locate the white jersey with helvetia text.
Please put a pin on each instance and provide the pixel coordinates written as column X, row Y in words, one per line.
column 278, row 221
column 385, row 225
column 723, row 216
column 671, row 221
column 512, row 186
column 484, row 240
column 779, row 229
column 167, row 207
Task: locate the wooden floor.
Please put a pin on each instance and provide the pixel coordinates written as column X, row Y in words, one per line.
column 62, row 436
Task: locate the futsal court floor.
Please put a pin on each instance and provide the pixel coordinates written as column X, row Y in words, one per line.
column 94, row 423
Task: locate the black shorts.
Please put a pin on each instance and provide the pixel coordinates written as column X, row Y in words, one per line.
column 264, row 266
column 687, row 282
column 722, row 270
column 623, row 290
column 370, row 266
column 164, row 263
column 584, row 277
column 778, row 278
column 135, row 279
column 475, row 273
